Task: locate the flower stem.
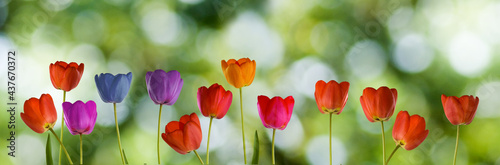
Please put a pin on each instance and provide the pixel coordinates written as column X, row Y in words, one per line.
column 62, row 127
column 274, row 132
column 243, row 128
column 394, row 151
column 118, row 135
column 208, row 141
column 81, row 150
column 62, row 146
column 199, row 158
column 331, row 114
column 383, row 141
column 158, row 137
column 456, row 146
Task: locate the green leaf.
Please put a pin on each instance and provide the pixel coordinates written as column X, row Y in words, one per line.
column 255, row 157
column 125, row 156
column 48, row 152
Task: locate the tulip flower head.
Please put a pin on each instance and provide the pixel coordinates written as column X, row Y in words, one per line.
column 214, row 101
column 379, row 104
column 460, row 111
column 275, row 113
column 409, row 131
column 65, row 76
column 239, row 73
column 113, row 89
column 184, row 135
column 80, row 117
column 39, row 114
column 331, row 97
column 164, row 87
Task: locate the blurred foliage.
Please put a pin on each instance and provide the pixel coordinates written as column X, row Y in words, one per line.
column 422, row 48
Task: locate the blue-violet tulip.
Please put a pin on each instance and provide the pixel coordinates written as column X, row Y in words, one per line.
column 113, row 89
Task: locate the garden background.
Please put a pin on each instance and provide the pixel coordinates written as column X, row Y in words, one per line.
column 423, row 48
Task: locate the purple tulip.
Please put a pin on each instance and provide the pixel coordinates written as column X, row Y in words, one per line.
column 80, row 117
column 163, row 87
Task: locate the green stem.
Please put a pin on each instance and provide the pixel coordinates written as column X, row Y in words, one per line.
column 456, row 146
column 208, row 141
column 383, row 141
column 62, row 127
column 243, row 128
column 394, row 151
column 158, row 137
column 81, row 150
column 199, row 158
column 118, row 135
column 274, row 132
column 331, row 114
column 66, row 152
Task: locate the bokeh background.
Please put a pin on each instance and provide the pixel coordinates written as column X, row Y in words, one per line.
column 423, row 48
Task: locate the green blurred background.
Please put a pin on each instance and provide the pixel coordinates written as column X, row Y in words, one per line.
column 423, row 48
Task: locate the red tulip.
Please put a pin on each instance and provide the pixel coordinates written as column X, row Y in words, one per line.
column 65, row 76
column 39, row 114
column 460, row 111
column 214, row 101
column 409, row 131
column 184, row 135
column 275, row 113
column 331, row 97
column 379, row 104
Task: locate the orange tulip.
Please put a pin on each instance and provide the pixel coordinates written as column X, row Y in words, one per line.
column 65, row 76
column 409, row 131
column 331, row 97
column 239, row 73
column 184, row 135
column 39, row 114
column 460, row 111
column 379, row 104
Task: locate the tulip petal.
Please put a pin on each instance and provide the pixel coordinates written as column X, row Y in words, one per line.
column 234, row 76
column 262, row 103
column 453, row 110
column 32, row 122
column 172, row 126
column 71, row 79
column 224, row 104
column 47, row 108
column 289, row 102
column 319, row 95
column 401, row 126
column 173, row 86
column 176, row 141
column 386, row 103
column 416, row 132
column 91, row 107
column 120, row 87
column 202, row 100
column 248, row 71
column 192, row 136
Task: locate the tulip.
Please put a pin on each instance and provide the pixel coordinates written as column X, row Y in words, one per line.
column 113, row 89
column 184, row 135
column 213, row 102
column 459, row 111
column 80, row 119
column 239, row 73
column 408, row 132
column 331, row 98
column 163, row 88
column 40, row 115
column 65, row 76
column 275, row 113
column 379, row 105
